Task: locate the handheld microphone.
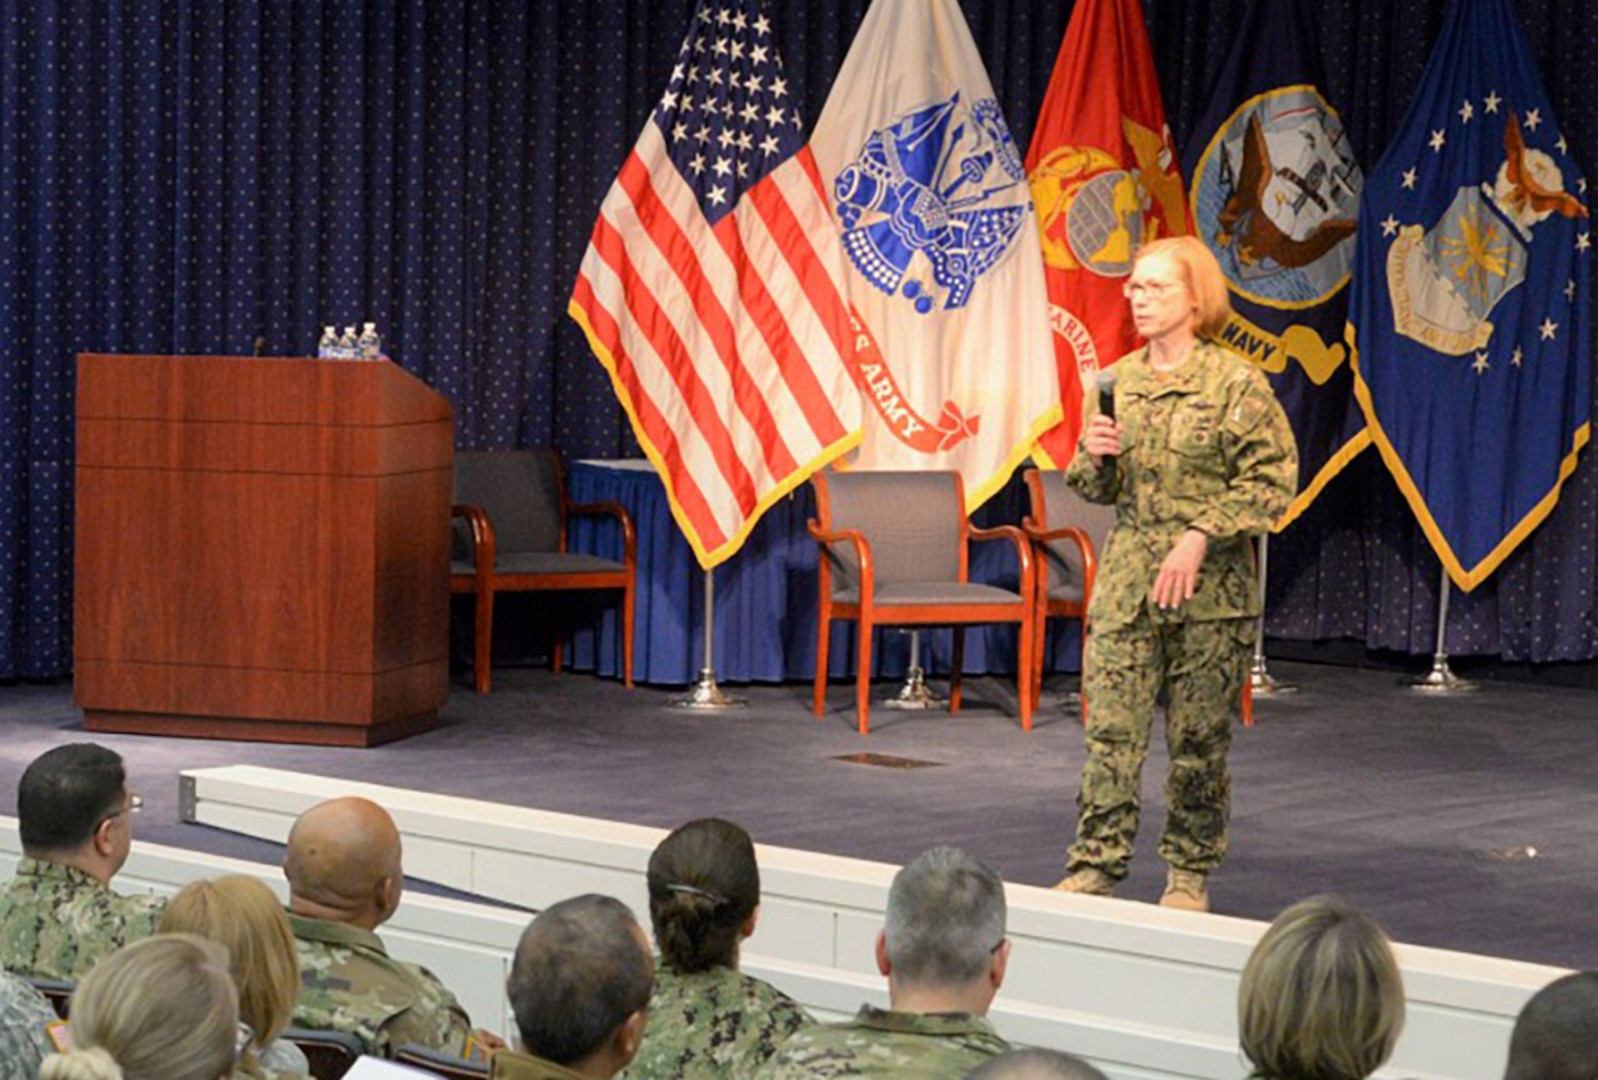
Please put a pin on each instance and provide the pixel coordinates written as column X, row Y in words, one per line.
column 1106, row 383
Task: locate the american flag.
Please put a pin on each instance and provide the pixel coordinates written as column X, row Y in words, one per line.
column 711, row 289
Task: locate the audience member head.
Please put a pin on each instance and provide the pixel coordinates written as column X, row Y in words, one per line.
column 1035, row 1064
column 1321, row 997
column 242, row 915
column 163, row 1008
column 343, row 863
column 73, row 807
column 1199, row 270
column 943, row 947
column 580, row 985
column 1556, row 1034
column 704, row 888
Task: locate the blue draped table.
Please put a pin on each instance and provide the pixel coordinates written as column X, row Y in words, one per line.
column 765, row 627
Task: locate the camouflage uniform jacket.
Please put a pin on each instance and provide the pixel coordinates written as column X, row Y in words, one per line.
column 509, row 1065
column 878, row 1043
column 712, row 1024
column 1205, row 447
column 56, row 921
column 351, row 984
column 25, row 1018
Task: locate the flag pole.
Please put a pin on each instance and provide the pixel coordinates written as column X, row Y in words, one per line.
column 1259, row 677
column 706, row 693
column 915, row 693
column 1441, row 679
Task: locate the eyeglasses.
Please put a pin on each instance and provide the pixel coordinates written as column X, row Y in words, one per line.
column 135, row 804
column 1154, row 290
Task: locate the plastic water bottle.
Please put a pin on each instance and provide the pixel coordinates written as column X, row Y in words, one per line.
column 328, row 346
column 346, row 344
column 370, row 344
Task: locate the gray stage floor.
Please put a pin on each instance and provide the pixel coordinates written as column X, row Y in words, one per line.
column 1422, row 811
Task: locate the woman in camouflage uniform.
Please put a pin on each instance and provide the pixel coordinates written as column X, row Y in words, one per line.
column 1197, row 457
column 707, row 1019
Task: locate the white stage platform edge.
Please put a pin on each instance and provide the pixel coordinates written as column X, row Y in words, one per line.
column 1143, row 992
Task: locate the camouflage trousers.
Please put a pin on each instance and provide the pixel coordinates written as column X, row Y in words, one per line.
column 1201, row 666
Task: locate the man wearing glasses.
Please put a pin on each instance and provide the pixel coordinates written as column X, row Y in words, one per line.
column 58, row 916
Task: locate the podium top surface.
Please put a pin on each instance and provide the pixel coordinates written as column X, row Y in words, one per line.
column 260, row 390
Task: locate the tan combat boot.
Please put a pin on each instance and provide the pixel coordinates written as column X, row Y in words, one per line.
column 1186, row 890
column 1089, row 880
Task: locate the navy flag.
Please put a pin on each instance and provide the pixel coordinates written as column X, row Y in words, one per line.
column 1275, row 195
column 1469, row 309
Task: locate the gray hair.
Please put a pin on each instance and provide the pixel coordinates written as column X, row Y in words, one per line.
column 1035, row 1064
column 946, row 917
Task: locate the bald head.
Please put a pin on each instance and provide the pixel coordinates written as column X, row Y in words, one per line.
column 343, row 863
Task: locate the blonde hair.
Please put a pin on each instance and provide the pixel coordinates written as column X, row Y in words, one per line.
column 1202, row 275
column 241, row 914
column 1321, row 997
column 160, row 1009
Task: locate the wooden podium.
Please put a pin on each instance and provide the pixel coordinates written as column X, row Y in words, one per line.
column 262, row 549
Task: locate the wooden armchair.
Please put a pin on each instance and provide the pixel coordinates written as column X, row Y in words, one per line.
column 1066, row 532
column 515, row 508
column 894, row 552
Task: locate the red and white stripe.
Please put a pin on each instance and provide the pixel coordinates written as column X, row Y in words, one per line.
column 728, row 344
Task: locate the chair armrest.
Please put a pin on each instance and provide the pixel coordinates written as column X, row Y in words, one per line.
column 1083, row 542
column 629, row 535
column 862, row 550
column 1023, row 548
column 482, row 538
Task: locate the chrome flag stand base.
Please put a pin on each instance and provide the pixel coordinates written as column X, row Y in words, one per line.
column 1441, row 679
column 1260, row 679
column 1264, row 683
column 706, row 694
column 915, row 694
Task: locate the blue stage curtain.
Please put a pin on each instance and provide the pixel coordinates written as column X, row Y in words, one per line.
column 191, row 175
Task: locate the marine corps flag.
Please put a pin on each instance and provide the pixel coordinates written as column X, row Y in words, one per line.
column 1104, row 178
column 1469, row 314
column 1275, row 195
column 944, row 272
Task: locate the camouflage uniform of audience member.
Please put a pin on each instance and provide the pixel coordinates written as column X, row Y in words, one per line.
column 25, row 1018
column 510, row 1065
column 56, row 921
column 711, row 1024
column 879, row 1043
column 1205, row 447
column 351, row 984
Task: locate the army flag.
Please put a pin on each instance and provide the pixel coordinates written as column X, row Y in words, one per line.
column 1275, row 195
column 1104, row 178
column 712, row 289
column 1469, row 314
column 944, row 272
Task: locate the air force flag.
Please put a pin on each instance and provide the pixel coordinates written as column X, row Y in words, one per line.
column 1469, row 318
column 945, row 269
column 1275, row 197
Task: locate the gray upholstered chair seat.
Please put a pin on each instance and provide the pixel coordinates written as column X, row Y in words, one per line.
column 1067, row 592
column 543, row 562
column 932, row 592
